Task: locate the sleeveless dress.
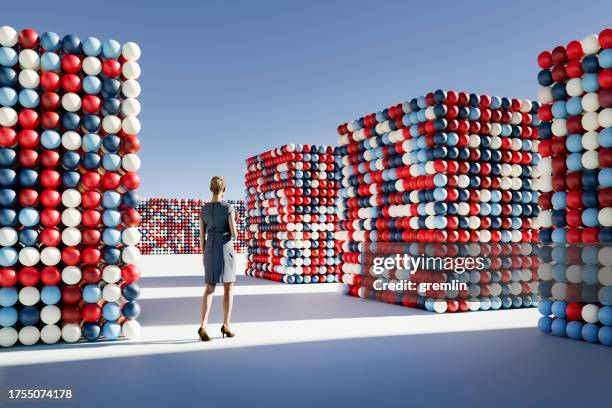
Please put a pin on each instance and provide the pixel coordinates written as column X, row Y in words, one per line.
column 219, row 263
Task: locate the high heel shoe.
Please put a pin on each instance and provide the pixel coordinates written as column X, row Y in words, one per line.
column 225, row 331
column 203, row 335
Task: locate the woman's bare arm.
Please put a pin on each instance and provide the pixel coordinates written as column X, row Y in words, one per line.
column 232, row 224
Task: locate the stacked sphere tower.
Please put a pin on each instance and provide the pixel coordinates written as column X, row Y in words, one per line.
column 576, row 184
column 448, row 173
column 68, row 175
column 172, row 226
column 291, row 214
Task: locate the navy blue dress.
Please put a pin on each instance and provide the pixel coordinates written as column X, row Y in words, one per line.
column 219, row 262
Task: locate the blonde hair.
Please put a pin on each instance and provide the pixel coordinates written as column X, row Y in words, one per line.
column 217, row 184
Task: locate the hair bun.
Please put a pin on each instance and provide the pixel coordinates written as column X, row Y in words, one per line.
column 217, row 184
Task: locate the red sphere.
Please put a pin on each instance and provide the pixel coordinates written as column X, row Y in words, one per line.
column 71, row 64
column 29, row 119
column 29, row 276
column 50, row 178
column 71, row 295
column 28, row 38
column 574, row 50
column 130, row 181
column 50, row 120
column 90, row 236
column 71, row 256
column 130, row 273
column 71, row 83
column 91, row 218
column 559, row 55
column 90, row 199
column 28, row 158
column 50, row 275
column 130, row 144
column 605, row 38
column 71, row 313
column 91, row 312
column 50, row 237
column 111, row 68
column 50, row 217
column 50, row 81
column 545, row 60
column 91, row 275
column 91, row 104
column 131, row 217
column 50, row 101
column 90, row 180
column 28, row 197
column 110, row 181
column 8, row 277
column 605, row 98
column 605, row 78
column 50, row 158
column 8, row 137
column 91, row 256
column 29, row 139
column 50, row 198
column 573, row 311
column 574, row 69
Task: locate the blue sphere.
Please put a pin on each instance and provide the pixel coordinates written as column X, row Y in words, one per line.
column 50, row 295
column 131, row 310
column 605, row 335
column 28, row 178
column 589, row 332
column 544, row 324
column 91, row 331
column 71, row 179
column 8, row 197
column 131, row 199
column 8, row 316
column 8, row 217
column 111, row 255
column 29, row 217
column 131, row 291
column 8, row 295
column 8, row 178
column 92, row 47
column 111, row 311
column 545, row 307
column 50, row 41
column 91, row 293
column 29, row 315
column 111, row 330
column 111, row 106
column 28, row 237
column 71, row 121
column 558, row 327
column 8, row 157
column 91, row 123
column 91, row 161
column 71, row 160
column 574, row 330
column 558, row 308
column 71, row 44
column 8, row 77
column 605, row 315
column 111, row 143
column 111, row 87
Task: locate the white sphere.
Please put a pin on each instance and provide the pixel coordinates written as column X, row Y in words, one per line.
column 440, row 306
column 50, row 314
column 130, row 329
column 590, row 44
column 131, row 255
column 590, row 102
column 605, row 118
column 111, row 274
column 130, row 51
column 92, row 66
column 50, row 334
column 29, row 296
column 605, row 276
column 71, row 217
column 8, row 236
column 71, row 198
column 131, row 88
column 574, row 87
column 29, row 335
column 29, row 78
column 589, row 313
column 130, row 70
column 8, row 337
column 590, row 121
column 131, row 125
column 50, row 256
column 71, row 102
column 559, row 290
column 590, row 159
column 605, row 256
column 8, row 36
column 8, row 117
column 131, row 236
column 71, row 333
column 544, row 96
column 29, row 59
column 111, row 293
column 130, row 107
column 71, row 275
column 29, row 256
column 590, row 140
column 130, row 162
column 605, row 217
column 559, row 127
column 111, row 124
column 71, row 236
column 71, row 140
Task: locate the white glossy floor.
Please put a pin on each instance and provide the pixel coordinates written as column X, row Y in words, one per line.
column 307, row 345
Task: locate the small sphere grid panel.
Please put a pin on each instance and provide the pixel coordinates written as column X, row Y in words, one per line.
column 291, row 215
column 172, row 226
column 448, row 167
column 575, row 180
column 68, row 178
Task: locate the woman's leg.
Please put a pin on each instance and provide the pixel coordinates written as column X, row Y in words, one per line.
column 206, row 302
column 228, row 300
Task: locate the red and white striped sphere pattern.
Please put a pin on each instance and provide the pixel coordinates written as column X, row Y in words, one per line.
column 68, row 179
column 445, row 167
column 171, row 226
column 291, row 214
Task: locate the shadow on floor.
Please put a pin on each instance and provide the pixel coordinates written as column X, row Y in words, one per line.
column 178, row 281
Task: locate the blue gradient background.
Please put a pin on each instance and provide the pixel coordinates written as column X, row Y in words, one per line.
column 223, row 80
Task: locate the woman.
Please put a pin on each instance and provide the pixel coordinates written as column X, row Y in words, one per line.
column 217, row 228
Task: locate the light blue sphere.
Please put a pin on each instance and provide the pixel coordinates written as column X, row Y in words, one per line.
column 8, row 96
column 8, row 296
column 111, row 218
column 604, row 315
column 28, row 98
column 558, row 308
column 574, row 330
column 558, row 327
column 111, row 162
column 29, row 217
column 91, row 293
column 545, row 307
column 544, row 324
column 111, row 49
column 111, row 199
column 589, row 332
column 91, row 46
column 91, row 142
column 8, row 316
column 605, row 335
column 50, row 295
column 111, row 237
column 8, row 57
column 50, row 139
column 50, row 61
column 8, row 256
column 111, row 311
column 111, row 330
column 92, row 85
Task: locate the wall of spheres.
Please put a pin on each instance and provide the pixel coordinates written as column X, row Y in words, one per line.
column 68, row 179
column 576, row 184
column 171, row 226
